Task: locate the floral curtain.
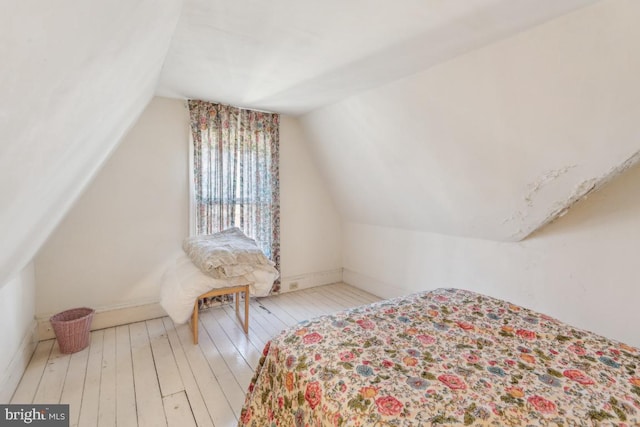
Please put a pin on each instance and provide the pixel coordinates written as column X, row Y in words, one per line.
column 236, row 173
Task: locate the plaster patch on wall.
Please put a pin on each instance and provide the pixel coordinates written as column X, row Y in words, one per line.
column 517, row 216
column 580, row 192
column 543, row 181
column 520, row 217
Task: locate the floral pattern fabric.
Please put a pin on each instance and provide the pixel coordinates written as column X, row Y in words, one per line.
column 446, row 357
column 236, row 173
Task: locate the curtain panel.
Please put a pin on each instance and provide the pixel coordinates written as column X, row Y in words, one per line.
column 236, row 173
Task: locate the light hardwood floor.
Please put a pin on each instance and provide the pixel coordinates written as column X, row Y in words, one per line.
column 150, row 373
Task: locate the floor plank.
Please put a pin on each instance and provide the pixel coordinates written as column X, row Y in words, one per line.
column 230, row 368
column 126, row 414
column 50, row 387
column 198, row 406
column 28, row 385
column 91, row 394
column 151, row 374
column 74, row 385
column 275, row 310
column 168, row 375
column 148, row 398
column 358, row 294
column 107, row 403
column 178, row 411
column 226, row 317
column 215, row 399
column 284, row 304
column 249, row 346
column 271, row 323
column 235, row 359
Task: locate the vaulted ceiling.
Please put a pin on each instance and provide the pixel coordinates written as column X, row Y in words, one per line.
column 74, row 77
column 293, row 57
column 481, row 118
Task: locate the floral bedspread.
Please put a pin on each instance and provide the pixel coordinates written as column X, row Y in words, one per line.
column 446, row 357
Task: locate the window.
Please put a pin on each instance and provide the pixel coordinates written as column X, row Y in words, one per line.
column 235, row 173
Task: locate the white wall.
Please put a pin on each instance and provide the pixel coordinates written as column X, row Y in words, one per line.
column 75, row 79
column 582, row 269
column 311, row 231
column 112, row 247
column 17, row 309
column 495, row 142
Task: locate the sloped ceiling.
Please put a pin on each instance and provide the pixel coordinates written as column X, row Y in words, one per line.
column 74, row 77
column 497, row 142
column 470, row 149
column 293, row 56
column 424, row 114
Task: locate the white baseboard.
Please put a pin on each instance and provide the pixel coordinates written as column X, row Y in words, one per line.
column 114, row 316
column 13, row 373
column 108, row 317
column 310, row 280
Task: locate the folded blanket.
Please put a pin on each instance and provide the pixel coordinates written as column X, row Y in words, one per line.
column 183, row 282
column 219, row 260
column 229, row 253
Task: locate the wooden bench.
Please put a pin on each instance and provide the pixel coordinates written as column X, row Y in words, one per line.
column 236, row 290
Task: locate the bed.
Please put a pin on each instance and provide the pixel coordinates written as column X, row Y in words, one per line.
column 224, row 263
column 445, row 357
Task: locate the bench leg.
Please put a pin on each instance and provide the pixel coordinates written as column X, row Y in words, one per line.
column 236, row 297
column 245, row 323
column 246, row 310
column 194, row 322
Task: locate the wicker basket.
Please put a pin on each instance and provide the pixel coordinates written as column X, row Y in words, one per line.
column 72, row 328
